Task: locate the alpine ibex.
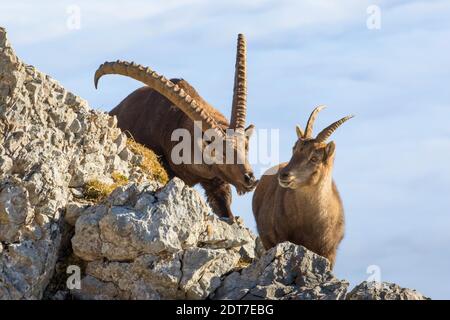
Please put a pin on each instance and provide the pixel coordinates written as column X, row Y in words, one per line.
column 153, row 112
column 301, row 203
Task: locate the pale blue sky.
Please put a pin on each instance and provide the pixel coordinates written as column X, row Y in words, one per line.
column 392, row 165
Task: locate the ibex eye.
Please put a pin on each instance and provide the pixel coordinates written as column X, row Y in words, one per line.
column 314, row 159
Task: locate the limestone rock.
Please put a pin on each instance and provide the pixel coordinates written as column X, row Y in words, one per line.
column 286, row 271
column 158, row 243
column 50, row 142
column 383, row 291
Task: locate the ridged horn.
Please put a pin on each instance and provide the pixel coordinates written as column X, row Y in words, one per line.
column 239, row 105
column 167, row 88
column 328, row 131
column 310, row 123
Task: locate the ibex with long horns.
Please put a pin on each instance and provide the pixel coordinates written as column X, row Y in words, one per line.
column 301, row 203
column 152, row 113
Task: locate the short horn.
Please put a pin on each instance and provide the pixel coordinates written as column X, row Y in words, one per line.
column 311, row 120
column 167, row 88
column 328, row 131
column 300, row 133
column 239, row 105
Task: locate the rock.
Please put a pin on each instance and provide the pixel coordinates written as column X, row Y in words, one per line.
column 6, row 164
column 94, row 289
column 223, row 235
column 60, row 295
column 15, row 210
column 157, row 243
column 383, row 291
column 50, row 140
column 203, row 268
column 73, row 211
column 75, row 127
column 286, row 271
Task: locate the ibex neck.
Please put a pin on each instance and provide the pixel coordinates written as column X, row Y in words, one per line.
column 317, row 196
column 325, row 185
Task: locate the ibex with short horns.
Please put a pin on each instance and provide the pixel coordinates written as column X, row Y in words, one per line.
column 300, row 203
column 152, row 113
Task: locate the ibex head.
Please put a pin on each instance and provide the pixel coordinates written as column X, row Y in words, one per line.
column 232, row 165
column 239, row 173
column 312, row 158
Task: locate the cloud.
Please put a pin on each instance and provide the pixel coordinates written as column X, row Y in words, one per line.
column 33, row 22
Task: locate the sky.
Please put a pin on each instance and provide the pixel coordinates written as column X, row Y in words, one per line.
column 390, row 67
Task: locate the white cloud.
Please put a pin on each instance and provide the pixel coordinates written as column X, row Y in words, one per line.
column 33, row 22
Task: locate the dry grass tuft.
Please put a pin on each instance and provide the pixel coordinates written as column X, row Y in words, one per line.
column 119, row 178
column 96, row 190
column 242, row 264
column 150, row 163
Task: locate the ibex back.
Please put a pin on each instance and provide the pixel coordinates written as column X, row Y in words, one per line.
column 301, row 203
column 152, row 113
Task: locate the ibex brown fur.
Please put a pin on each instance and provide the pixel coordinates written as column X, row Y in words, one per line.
column 152, row 113
column 298, row 201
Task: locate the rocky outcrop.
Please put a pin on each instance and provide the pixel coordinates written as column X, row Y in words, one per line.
column 145, row 240
column 286, row 271
column 383, row 291
column 165, row 244
column 51, row 144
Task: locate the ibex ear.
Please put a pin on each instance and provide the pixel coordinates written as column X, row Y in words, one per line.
column 329, row 150
column 300, row 133
column 249, row 131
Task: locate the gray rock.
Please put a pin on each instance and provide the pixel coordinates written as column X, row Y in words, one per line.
column 383, row 291
column 203, row 268
column 94, row 289
column 73, row 211
column 286, row 271
column 6, row 164
column 75, row 127
column 86, row 242
column 15, row 210
column 159, row 244
column 50, row 141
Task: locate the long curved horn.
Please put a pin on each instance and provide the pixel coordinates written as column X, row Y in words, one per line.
column 239, row 106
column 328, row 131
column 310, row 123
column 159, row 83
